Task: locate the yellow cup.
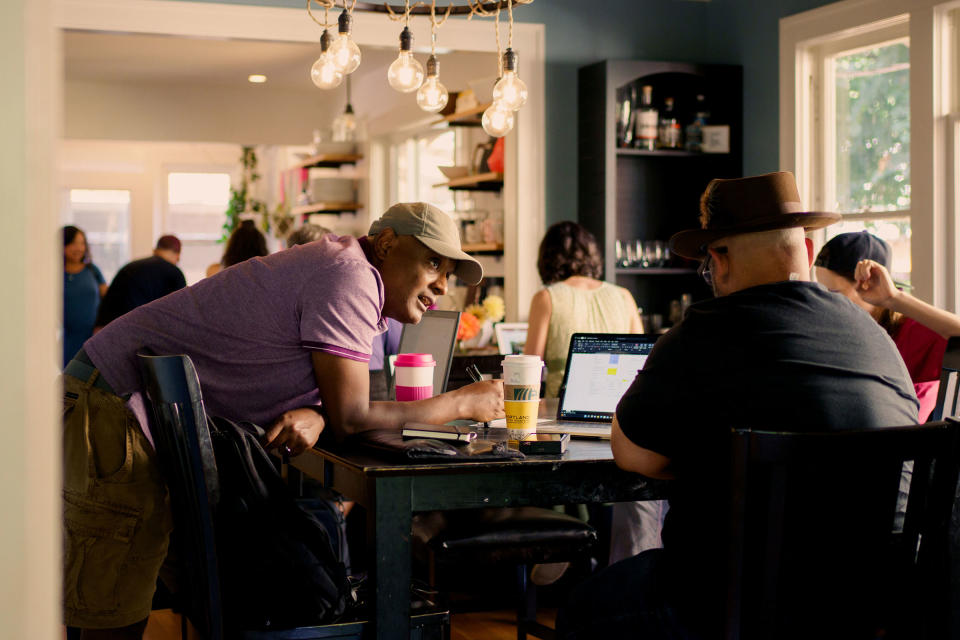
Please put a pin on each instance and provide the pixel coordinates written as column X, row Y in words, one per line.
column 521, row 418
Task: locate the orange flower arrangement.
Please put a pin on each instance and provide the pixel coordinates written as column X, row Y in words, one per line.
column 469, row 326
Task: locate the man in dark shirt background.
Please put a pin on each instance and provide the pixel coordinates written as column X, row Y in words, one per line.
column 771, row 351
column 143, row 281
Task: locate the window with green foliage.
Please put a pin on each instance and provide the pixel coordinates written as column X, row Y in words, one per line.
column 864, row 137
column 872, row 143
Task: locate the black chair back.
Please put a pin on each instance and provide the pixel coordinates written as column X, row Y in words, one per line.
column 947, row 396
column 185, row 455
column 948, row 407
column 817, row 547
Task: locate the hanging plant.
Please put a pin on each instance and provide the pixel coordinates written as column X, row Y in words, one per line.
column 240, row 201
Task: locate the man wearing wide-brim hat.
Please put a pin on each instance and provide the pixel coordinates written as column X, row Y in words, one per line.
column 771, row 350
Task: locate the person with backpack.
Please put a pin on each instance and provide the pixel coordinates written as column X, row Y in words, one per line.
column 281, row 341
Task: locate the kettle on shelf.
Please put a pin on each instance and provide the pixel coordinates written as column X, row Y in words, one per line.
column 488, row 156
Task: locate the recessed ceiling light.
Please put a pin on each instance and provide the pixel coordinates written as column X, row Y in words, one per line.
column 257, row 78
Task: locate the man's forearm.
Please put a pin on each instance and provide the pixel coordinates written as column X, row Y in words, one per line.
column 393, row 415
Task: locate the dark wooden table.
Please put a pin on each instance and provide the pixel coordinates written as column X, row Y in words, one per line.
column 393, row 491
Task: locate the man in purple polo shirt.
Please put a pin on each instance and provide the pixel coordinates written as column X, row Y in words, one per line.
column 283, row 341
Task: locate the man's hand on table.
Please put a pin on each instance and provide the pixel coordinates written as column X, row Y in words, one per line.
column 483, row 401
column 294, row 432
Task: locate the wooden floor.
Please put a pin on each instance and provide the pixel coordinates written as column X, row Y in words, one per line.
column 484, row 625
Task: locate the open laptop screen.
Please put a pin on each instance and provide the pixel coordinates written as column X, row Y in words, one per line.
column 436, row 334
column 600, row 368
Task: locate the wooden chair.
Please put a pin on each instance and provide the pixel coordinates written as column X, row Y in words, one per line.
column 948, row 407
column 814, row 548
column 947, row 396
column 185, row 454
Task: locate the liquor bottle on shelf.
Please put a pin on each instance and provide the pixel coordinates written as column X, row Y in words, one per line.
column 694, row 131
column 646, row 121
column 625, row 115
column 670, row 133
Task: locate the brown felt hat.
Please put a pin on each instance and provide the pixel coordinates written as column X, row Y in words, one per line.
column 747, row 205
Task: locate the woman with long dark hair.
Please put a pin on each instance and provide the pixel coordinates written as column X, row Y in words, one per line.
column 83, row 286
column 244, row 243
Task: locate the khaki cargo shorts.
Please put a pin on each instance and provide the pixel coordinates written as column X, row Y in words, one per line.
column 116, row 514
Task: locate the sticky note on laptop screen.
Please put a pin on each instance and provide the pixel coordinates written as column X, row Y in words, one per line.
column 600, row 369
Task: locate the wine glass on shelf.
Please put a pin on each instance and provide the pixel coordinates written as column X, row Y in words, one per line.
column 665, row 254
column 621, row 254
column 634, row 255
column 652, row 253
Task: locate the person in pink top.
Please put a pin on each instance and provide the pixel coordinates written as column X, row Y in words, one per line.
column 857, row 265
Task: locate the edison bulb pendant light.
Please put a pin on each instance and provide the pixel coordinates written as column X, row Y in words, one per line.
column 497, row 121
column 406, row 73
column 324, row 72
column 432, row 96
column 346, row 53
column 510, row 91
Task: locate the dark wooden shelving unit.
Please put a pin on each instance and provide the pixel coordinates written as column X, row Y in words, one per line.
column 628, row 194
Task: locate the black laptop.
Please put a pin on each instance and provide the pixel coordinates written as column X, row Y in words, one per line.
column 600, row 369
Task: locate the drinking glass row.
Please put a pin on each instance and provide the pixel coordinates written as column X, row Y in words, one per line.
column 642, row 253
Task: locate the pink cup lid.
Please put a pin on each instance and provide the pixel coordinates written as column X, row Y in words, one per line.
column 415, row 360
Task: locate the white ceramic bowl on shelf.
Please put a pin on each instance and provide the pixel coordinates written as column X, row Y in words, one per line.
column 454, row 172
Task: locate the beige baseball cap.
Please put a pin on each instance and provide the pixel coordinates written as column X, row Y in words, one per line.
column 434, row 228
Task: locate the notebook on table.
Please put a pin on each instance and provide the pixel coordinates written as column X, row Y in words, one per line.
column 600, row 368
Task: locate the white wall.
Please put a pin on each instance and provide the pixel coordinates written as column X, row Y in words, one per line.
column 30, row 538
column 141, row 168
column 258, row 114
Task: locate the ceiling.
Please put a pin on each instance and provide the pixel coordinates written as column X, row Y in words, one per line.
column 138, row 58
column 157, row 87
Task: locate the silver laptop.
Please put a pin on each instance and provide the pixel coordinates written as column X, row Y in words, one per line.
column 600, row 369
column 436, row 334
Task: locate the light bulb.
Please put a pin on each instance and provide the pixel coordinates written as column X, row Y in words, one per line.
column 324, row 72
column 510, row 91
column 497, row 121
column 432, row 96
column 345, row 126
column 406, row 73
column 345, row 51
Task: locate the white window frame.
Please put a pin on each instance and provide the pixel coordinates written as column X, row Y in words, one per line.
column 933, row 77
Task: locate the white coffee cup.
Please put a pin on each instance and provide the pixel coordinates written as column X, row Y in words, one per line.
column 520, row 369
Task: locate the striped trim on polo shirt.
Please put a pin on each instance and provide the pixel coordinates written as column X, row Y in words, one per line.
column 335, row 350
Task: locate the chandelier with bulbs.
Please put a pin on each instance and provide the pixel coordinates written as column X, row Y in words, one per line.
column 340, row 56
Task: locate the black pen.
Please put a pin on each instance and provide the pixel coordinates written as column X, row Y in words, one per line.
column 474, row 374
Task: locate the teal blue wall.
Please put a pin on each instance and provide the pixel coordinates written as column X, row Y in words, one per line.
column 580, row 32
column 746, row 32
